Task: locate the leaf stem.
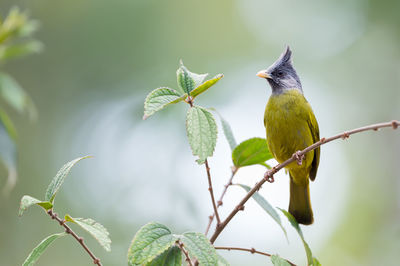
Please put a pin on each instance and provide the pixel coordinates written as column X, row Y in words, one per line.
column 212, row 193
column 182, row 248
column 252, row 251
column 269, row 175
column 68, row 230
column 219, row 202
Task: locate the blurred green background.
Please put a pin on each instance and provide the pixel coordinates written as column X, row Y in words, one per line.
column 102, row 57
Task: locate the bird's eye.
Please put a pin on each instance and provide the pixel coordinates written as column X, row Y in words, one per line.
column 280, row 74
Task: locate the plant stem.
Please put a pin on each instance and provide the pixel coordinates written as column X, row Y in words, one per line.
column 219, row 202
column 297, row 156
column 252, row 251
column 180, row 245
column 212, row 193
column 68, row 230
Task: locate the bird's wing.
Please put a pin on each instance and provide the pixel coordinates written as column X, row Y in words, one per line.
column 313, row 124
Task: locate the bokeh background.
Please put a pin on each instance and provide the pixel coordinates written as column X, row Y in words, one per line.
column 102, row 57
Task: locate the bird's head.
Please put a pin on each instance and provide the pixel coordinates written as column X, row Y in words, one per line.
column 281, row 75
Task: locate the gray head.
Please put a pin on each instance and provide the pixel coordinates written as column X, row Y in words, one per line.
column 281, row 75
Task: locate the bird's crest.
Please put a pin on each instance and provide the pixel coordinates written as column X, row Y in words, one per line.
column 284, row 58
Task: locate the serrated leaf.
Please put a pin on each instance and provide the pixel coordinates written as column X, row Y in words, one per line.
column 201, row 131
column 222, row 261
column 250, row 152
column 185, row 81
column 39, row 249
column 58, row 180
column 159, row 99
column 278, row 261
column 296, row 226
column 198, row 246
column 266, row 206
column 8, row 150
column 170, row 257
column 15, row 95
column 150, row 241
column 205, row 86
column 98, row 231
column 28, row 201
column 227, row 130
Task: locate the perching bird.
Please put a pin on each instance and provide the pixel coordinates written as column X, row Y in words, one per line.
column 291, row 126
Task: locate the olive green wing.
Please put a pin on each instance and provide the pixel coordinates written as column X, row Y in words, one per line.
column 313, row 124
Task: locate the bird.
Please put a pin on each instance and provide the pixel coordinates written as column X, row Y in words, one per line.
column 291, row 126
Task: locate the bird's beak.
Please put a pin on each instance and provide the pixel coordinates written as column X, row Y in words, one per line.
column 263, row 74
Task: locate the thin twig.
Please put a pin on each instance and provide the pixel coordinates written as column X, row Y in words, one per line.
column 219, row 202
column 269, row 175
column 68, row 230
column 188, row 260
column 252, row 251
column 212, row 193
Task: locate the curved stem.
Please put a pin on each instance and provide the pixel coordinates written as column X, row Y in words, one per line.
column 251, row 250
column 68, row 230
column 219, row 202
column 297, row 156
column 182, row 248
column 212, row 193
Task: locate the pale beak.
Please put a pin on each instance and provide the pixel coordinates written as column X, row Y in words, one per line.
column 263, row 74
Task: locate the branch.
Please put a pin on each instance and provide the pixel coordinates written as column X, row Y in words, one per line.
column 297, row 156
column 182, row 248
column 252, row 251
column 68, row 230
column 212, row 193
column 219, row 202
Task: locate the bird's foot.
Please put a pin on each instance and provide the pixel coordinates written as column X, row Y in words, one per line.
column 298, row 156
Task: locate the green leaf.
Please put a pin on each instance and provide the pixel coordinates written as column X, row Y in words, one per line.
column 185, row 81
column 200, row 247
column 266, row 206
column 28, row 201
column 98, row 231
column 18, row 50
column 160, row 98
column 150, row 241
column 250, row 152
column 316, row 262
column 15, row 96
column 227, row 130
column 278, row 261
column 296, row 226
column 58, row 180
column 39, row 249
column 8, row 150
column 222, row 261
column 205, row 86
column 170, row 257
column 202, row 132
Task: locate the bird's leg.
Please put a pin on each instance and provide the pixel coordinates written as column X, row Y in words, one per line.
column 299, row 157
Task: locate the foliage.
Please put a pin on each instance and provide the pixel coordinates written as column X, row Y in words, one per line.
column 15, row 41
column 98, row 231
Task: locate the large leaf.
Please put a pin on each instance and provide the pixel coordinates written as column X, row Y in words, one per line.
column 278, row 261
column 205, row 86
column 202, row 132
column 170, row 257
column 160, row 98
column 250, row 152
column 296, row 226
column 58, row 180
column 39, row 249
column 200, row 247
column 266, row 206
column 15, row 96
column 188, row 81
column 8, row 150
column 98, row 231
column 149, row 242
column 28, row 201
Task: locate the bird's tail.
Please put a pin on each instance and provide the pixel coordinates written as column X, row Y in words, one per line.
column 300, row 204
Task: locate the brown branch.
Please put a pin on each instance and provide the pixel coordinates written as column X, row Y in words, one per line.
column 182, row 248
column 68, row 230
column 219, row 202
column 212, row 193
column 297, row 156
column 252, row 251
